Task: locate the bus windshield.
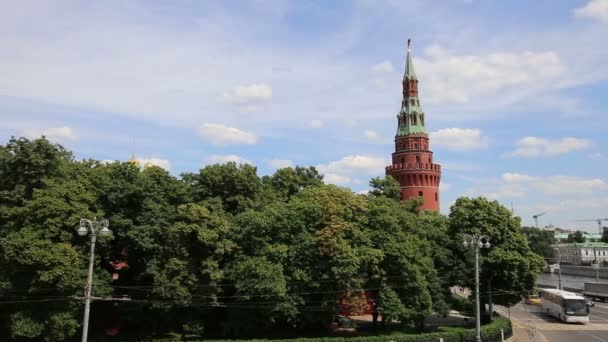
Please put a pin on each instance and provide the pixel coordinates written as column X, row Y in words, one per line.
column 576, row 307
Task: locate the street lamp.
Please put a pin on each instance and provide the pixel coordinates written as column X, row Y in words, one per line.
column 93, row 227
column 559, row 266
column 477, row 241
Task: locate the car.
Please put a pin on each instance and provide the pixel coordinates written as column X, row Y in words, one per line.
column 533, row 300
column 590, row 302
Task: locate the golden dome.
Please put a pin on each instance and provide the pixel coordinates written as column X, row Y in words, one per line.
column 134, row 160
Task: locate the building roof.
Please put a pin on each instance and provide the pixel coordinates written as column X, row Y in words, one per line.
column 411, row 116
column 587, row 235
column 584, row 245
column 410, row 73
column 564, row 294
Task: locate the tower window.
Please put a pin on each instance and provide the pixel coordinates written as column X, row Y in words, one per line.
column 401, row 196
column 402, row 160
column 436, row 197
column 417, row 159
column 419, row 193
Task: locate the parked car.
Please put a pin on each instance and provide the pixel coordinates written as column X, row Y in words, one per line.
column 533, row 300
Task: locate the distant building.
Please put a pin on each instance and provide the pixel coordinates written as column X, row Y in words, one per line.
column 589, row 237
column 412, row 163
column 586, row 253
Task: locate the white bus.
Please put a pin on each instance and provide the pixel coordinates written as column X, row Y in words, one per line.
column 566, row 306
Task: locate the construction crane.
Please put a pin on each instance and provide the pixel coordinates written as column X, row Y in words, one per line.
column 599, row 223
column 537, row 216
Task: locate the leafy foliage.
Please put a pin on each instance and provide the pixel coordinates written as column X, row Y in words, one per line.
column 224, row 252
column 576, row 237
column 540, row 241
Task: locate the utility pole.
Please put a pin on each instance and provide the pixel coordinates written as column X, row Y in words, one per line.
column 93, row 227
column 596, row 265
column 490, row 306
column 559, row 267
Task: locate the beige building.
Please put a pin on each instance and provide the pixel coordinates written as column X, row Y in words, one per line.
column 586, row 253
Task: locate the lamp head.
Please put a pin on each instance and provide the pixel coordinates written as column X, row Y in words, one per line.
column 487, row 244
column 82, row 231
column 465, row 243
column 479, row 244
column 105, row 231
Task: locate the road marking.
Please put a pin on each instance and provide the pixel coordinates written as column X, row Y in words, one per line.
column 601, row 319
column 595, row 337
column 571, row 327
column 601, row 311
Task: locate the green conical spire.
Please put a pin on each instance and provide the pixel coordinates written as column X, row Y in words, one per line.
column 409, row 66
column 411, row 115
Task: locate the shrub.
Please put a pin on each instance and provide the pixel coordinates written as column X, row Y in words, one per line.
column 489, row 332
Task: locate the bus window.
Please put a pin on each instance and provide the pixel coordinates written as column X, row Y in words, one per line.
column 576, row 307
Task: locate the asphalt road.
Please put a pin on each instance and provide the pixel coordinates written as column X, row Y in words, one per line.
column 549, row 329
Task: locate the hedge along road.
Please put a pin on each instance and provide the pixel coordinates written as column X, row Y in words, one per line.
column 548, row 328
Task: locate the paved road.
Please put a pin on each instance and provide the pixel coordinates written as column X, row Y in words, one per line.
column 549, row 329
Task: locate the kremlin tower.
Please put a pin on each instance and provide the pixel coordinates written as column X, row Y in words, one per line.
column 412, row 164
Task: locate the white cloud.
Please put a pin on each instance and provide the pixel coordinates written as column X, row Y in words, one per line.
column 450, row 78
column 460, row 166
column 370, row 135
column 537, row 147
column 512, row 184
column 53, row 133
column 223, row 159
column 594, row 9
column 162, row 163
column 556, row 184
column 249, row 94
column 596, row 155
column 384, row 67
column 219, row 134
column 459, row 139
column 332, row 178
column 517, row 177
column 559, row 185
column 350, row 165
column 316, row 123
column 280, row 163
column 505, row 192
column 444, row 186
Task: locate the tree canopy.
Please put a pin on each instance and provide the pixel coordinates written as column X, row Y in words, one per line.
column 225, row 252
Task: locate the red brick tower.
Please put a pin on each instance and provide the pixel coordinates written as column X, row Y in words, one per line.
column 413, row 165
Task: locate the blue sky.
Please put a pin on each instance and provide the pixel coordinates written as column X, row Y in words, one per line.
column 514, row 92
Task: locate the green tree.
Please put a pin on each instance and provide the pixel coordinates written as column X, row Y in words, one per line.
column 540, row 241
column 387, row 187
column 509, row 265
column 576, row 237
column 41, row 261
column 605, row 235
column 405, row 271
column 237, row 186
column 289, row 181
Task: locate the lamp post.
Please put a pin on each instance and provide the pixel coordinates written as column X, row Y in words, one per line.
column 559, row 266
column 476, row 242
column 93, row 228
